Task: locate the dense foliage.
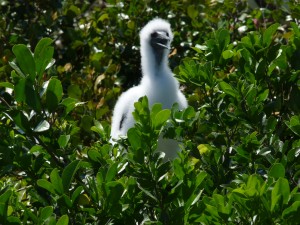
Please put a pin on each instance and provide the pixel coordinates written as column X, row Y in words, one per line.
column 63, row 66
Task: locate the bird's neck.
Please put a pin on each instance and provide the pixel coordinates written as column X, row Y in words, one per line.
column 154, row 64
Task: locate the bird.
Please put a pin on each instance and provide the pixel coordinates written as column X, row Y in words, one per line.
column 157, row 83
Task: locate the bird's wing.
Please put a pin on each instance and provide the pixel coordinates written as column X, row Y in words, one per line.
column 182, row 102
column 122, row 115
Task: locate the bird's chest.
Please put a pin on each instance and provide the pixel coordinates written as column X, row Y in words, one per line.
column 163, row 91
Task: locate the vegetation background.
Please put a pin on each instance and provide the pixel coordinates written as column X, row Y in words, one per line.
column 64, row 64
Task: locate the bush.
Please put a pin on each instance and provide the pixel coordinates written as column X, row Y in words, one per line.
column 63, row 66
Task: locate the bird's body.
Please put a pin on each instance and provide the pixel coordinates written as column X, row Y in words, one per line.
column 158, row 83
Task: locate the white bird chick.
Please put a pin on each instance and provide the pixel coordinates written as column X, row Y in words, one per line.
column 158, row 84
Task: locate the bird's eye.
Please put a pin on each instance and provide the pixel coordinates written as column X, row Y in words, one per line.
column 154, row 34
column 167, row 34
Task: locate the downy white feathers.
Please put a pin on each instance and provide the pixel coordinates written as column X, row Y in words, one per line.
column 158, row 83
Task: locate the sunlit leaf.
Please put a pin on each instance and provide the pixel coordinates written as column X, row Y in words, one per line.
column 268, row 34
column 63, row 140
column 25, row 60
column 228, row 89
column 63, row 220
column 277, row 170
column 42, row 126
column 227, row 54
column 46, row 185
column 280, row 193
column 43, row 54
column 56, row 181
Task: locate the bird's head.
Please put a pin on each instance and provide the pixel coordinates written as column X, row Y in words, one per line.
column 156, row 37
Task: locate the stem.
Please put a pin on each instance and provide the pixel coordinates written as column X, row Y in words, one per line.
column 50, row 151
column 5, row 102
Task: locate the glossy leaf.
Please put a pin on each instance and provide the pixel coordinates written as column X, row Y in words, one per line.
column 43, row 54
column 63, row 220
column 4, row 203
column 277, row 170
column 69, row 104
column 69, row 173
column 42, row 126
column 111, row 173
column 280, row 193
column 268, row 34
column 227, row 54
column 46, row 185
column 134, row 138
column 292, row 212
column 25, row 60
column 56, row 181
column 53, row 94
column 19, row 119
column 63, row 140
column 228, row 89
column 7, row 85
column 160, row 118
column 46, row 212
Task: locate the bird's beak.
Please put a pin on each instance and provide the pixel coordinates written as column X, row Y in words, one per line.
column 161, row 39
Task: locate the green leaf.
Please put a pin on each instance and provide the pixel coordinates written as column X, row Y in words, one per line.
column 76, row 193
column 178, row 170
column 74, row 91
column 65, row 200
column 63, row 140
column 263, row 95
column 223, row 38
column 69, row 104
column 114, row 191
column 43, row 54
column 295, row 29
column 148, row 193
column 134, row 138
column 63, row 220
column 46, row 212
column 46, row 185
column 228, row 89
column 56, row 181
column 200, row 178
column 294, row 124
column 268, row 34
column 68, row 174
column 280, row 193
column 160, row 118
column 271, row 124
column 25, row 92
column 111, row 173
column 204, row 149
column 19, row 119
column 20, row 90
column 86, row 122
column 227, row 54
column 25, row 60
column 192, row 11
column 54, row 94
column 4, row 198
column 17, row 69
column 277, row 170
column 292, row 212
column 94, row 155
column 6, row 85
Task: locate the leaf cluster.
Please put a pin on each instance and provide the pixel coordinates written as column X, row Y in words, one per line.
column 63, row 65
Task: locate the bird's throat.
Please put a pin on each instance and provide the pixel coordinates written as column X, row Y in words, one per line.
column 159, row 55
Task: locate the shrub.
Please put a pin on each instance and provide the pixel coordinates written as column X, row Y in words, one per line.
column 239, row 162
